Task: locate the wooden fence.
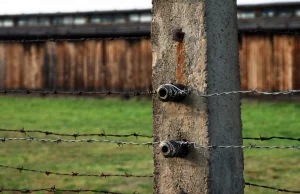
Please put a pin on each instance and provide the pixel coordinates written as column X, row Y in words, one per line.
column 268, row 62
column 90, row 65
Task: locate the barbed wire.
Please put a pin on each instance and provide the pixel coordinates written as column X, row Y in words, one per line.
column 272, row 188
column 75, row 135
column 287, row 92
column 53, row 39
column 103, row 134
column 73, row 174
column 78, row 93
column 271, row 138
column 119, row 143
column 53, row 189
column 108, row 93
column 250, row 146
column 77, row 141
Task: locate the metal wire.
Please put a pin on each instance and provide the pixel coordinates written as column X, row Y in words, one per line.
column 74, row 39
column 73, row 174
column 250, row 146
column 75, row 135
column 53, row 189
column 78, row 93
column 108, row 93
column 288, row 92
column 271, row 138
column 76, row 141
column 194, row 144
column 272, row 188
column 103, row 134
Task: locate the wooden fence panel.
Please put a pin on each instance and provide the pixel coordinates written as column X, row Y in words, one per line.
column 267, row 62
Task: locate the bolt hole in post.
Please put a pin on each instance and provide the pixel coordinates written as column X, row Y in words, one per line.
column 165, row 149
column 163, row 93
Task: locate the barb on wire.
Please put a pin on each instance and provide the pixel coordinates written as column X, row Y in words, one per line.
column 270, row 138
column 53, row 189
column 74, row 174
column 75, row 39
column 78, row 93
column 272, row 188
column 288, row 92
column 75, row 135
column 119, row 143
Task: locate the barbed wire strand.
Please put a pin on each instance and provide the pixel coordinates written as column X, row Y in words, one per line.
column 119, row 143
column 53, row 39
column 75, row 135
column 108, row 93
column 77, row 93
column 77, row 141
column 74, row 174
column 103, row 134
column 288, row 92
column 261, row 138
column 53, row 189
column 272, row 188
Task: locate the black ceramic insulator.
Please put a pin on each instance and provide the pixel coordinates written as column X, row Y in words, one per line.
column 171, row 93
column 171, row 148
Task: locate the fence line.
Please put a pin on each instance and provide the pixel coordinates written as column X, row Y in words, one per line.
column 53, row 189
column 73, row 174
column 272, row 188
column 261, row 138
column 103, row 134
column 287, row 92
column 119, row 143
column 78, row 93
column 187, row 91
column 75, row 135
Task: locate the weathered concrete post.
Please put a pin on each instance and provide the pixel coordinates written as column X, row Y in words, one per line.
column 204, row 58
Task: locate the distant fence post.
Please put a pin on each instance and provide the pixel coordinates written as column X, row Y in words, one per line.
column 195, row 43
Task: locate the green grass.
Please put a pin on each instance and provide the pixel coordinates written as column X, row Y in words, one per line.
column 278, row 168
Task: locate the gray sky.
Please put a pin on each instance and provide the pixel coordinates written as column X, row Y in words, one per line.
column 48, row 6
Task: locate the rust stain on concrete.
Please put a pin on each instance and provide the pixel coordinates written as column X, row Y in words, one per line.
column 180, row 70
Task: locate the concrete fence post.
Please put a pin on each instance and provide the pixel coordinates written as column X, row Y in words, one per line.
column 195, row 44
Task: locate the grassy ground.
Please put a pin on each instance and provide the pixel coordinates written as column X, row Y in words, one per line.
column 280, row 168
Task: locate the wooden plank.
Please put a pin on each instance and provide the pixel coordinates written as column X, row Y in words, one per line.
column 268, row 62
column 129, row 65
column 289, row 67
column 2, row 66
column 296, row 63
column 252, row 53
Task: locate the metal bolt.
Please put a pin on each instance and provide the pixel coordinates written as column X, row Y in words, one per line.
column 171, row 93
column 171, row 148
